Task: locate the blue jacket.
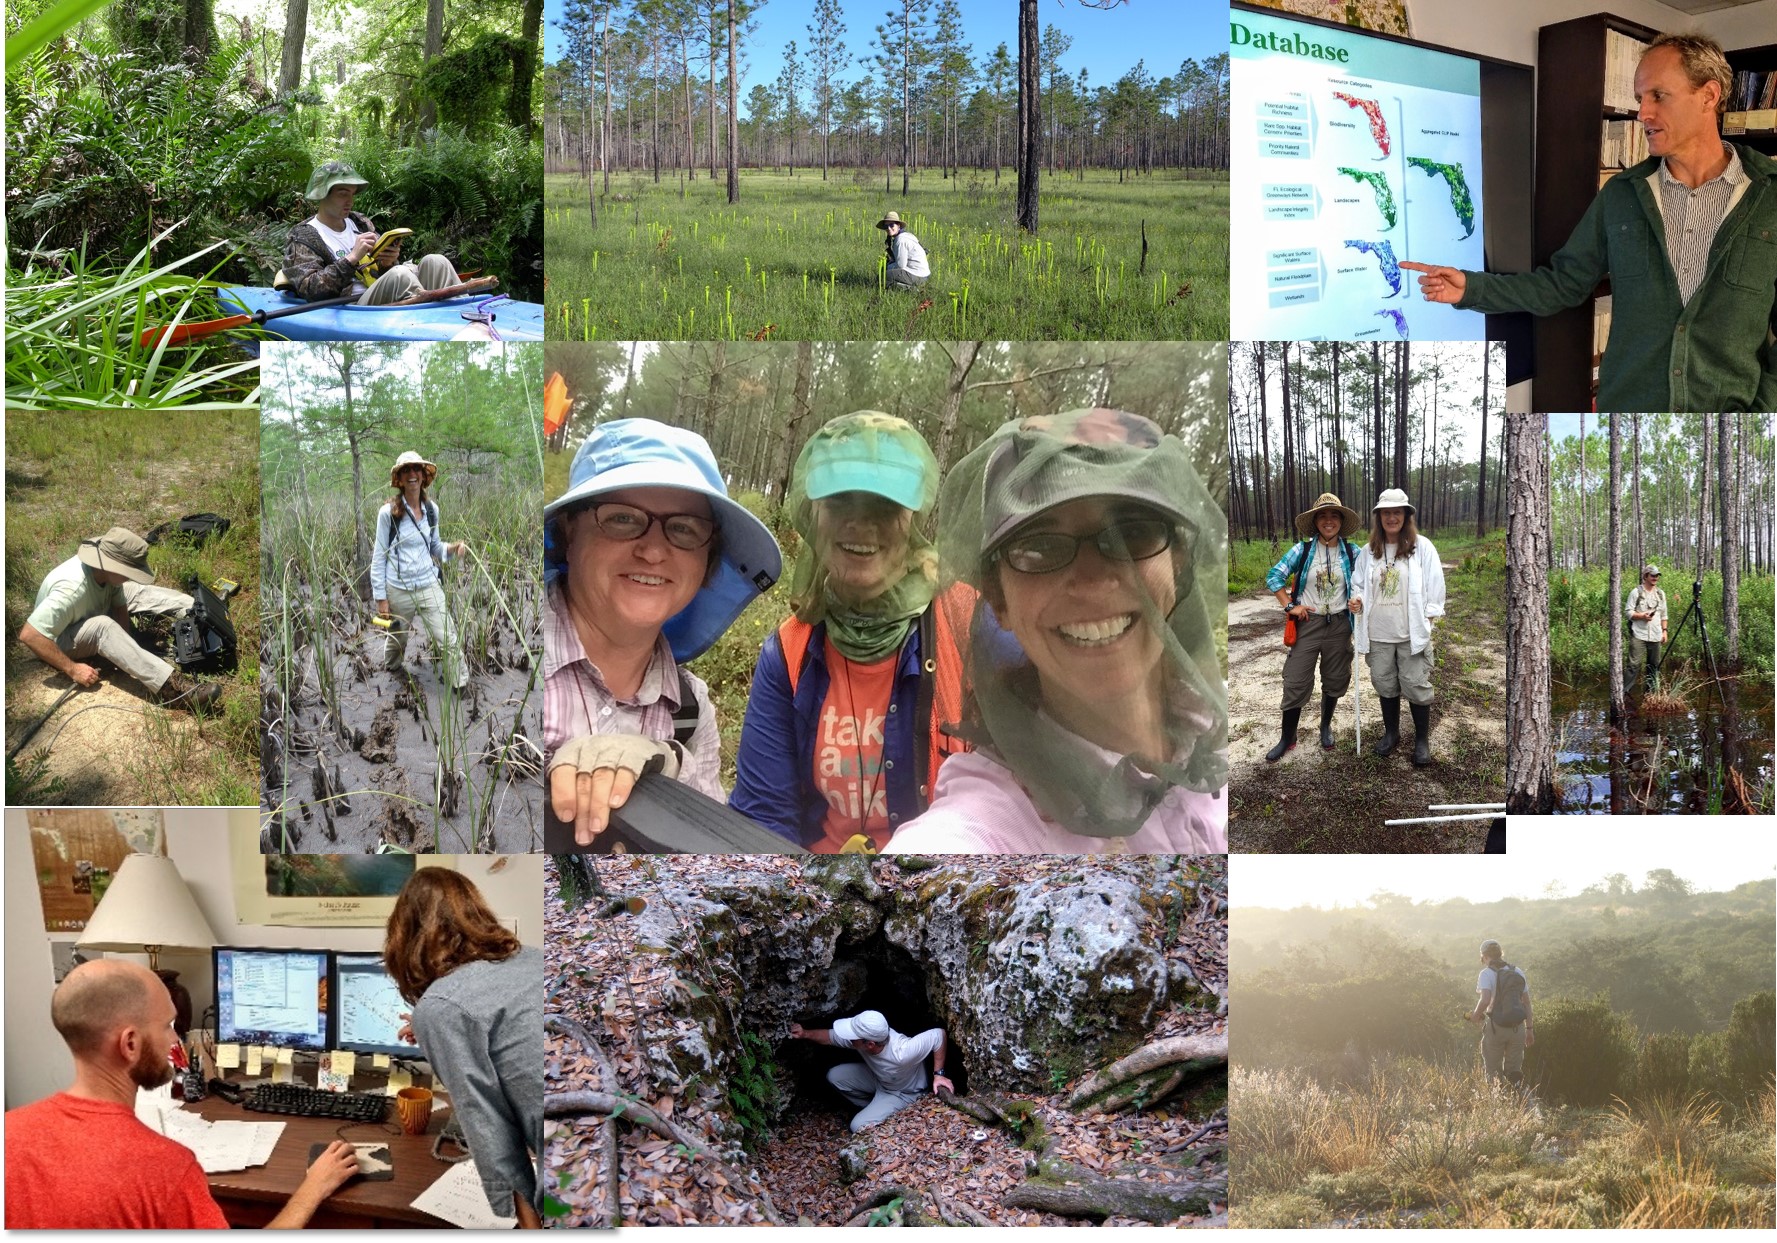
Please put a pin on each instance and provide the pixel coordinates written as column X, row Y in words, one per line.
column 774, row 777
column 1290, row 566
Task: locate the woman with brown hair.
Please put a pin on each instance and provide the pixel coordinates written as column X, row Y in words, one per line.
column 1397, row 596
column 477, row 997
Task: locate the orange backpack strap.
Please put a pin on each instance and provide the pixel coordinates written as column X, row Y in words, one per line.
column 793, row 637
column 944, row 634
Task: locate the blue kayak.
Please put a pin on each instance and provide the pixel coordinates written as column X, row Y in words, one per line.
column 426, row 321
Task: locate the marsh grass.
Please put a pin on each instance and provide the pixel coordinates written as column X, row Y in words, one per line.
column 800, row 258
column 73, row 475
column 1431, row 1144
column 73, row 335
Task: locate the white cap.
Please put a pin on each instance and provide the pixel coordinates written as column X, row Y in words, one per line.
column 870, row 1025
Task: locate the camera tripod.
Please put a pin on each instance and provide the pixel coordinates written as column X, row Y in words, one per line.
column 1695, row 611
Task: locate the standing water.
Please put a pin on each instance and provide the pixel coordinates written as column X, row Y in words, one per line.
column 1663, row 764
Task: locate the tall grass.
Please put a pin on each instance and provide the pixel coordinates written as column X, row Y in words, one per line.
column 1579, row 614
column 801, row 258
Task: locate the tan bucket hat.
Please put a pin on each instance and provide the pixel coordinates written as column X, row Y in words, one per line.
column 119, row 551
column 410, row 458
column 1305, row 521
column 893, row 217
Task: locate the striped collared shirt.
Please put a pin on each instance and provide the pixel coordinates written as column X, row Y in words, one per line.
column 576, row 701
column 1693, row 217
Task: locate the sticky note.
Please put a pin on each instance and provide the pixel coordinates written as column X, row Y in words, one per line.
column 255, row 1060
column 345, row 1063
column 228, row 1057
column 283, row 1072
column 380, row 1061
column 399, row 1079
column 286, row 1057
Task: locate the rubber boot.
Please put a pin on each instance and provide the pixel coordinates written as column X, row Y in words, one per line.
column 1327, row 708
column 1391, row 725
column 1287, row 743
column 1421, row 734
column 179, row 691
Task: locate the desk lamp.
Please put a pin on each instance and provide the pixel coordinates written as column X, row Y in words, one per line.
column 149, row 909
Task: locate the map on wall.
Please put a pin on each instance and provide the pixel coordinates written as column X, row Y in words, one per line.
column 77, row 854
column 1387, row 16
column 318, row 891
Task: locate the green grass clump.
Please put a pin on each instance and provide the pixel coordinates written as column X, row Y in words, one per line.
column 1580, row 617
column 801, row 258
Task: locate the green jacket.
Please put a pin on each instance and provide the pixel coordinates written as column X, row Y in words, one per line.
column 1711, row 355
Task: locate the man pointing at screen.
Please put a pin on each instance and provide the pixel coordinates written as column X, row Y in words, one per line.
column 1688, row 239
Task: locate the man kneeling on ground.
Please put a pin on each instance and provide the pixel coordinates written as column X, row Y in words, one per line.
column 82, row 1160
column 83, row 610
column 892, row 1075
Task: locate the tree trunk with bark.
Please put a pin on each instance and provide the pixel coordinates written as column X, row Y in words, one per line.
column 296, row 27
column 1530, row 750
column 799, row 412
column 1030, row 124
column 1730, row 542
column 960, row 364
column 733, row 120
column 1617, row 712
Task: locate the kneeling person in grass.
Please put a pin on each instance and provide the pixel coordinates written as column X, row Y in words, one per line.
column 907, row 265
column 84, row 609
column 325, row 256
column 892, row 1074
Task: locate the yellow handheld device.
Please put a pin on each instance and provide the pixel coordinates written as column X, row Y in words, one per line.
column 224, row 587
column 367, row 269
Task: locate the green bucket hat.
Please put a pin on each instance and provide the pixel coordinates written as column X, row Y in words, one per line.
column 332, row 173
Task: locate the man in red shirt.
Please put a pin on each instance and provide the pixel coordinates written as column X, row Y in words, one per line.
column 81, row 1160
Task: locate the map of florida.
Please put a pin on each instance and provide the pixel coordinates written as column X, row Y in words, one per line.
column 1379, row 183
column 1384, row 253
column 1399, row 318
column 1373, row 110
column 1459, row 195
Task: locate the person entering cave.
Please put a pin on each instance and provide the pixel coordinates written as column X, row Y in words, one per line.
column 892, row 1074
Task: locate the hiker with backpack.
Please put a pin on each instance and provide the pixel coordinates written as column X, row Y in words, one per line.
column 844, row 726
column 1502, row 1008
column 1312, row 581
column 84, row 611
column 1397, row 597
column 1096, row 701
column 647, row 562
column 404, row 570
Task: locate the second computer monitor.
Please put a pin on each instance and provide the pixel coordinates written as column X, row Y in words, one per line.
column 369, row 1007
column 272, row 997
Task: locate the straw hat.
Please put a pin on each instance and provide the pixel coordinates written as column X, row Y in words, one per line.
column 410, row 458
column 893, row 217
column 1350, row 522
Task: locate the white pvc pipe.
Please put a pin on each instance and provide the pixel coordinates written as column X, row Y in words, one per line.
column 1467, row 807
column 1485, row 815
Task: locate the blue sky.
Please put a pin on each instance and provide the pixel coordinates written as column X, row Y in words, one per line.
column 1105, row 43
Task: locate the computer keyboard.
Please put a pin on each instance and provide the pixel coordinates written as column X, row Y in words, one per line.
column 305, row 1102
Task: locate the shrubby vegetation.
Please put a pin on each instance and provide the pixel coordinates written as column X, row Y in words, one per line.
column 1360, row 1097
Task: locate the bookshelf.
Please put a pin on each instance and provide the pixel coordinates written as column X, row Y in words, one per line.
column 1755, row 60
column 1576, row 82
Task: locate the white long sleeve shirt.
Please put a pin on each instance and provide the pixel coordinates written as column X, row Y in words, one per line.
column 1424, row 577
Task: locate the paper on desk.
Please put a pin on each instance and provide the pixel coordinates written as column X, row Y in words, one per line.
column 457, row 1197
column 223, row 1147
column 151, row 1104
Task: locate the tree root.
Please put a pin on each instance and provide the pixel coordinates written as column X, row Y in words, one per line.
column 1075, row 1191
column 891, row 1205
column 608, row 1126
column 612, row 1107
column 1151, row 1073
column 1018, row 1117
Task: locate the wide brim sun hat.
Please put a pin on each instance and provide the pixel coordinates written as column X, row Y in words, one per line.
column 893, row 217
column 1305, row 522
column 332, row 173
column 643, row 453
column 1393, row 498
column 118, row 551
column 410, row 458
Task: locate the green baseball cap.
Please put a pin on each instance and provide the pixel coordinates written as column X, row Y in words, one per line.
column 869, row 451
column 332, row 173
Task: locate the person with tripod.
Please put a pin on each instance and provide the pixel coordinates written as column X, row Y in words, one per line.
column 1645, row 607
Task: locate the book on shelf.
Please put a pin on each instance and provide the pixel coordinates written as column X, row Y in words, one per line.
column 1621, row 144
column 1760, row 121
column 1621, row 54
column 1753, row 89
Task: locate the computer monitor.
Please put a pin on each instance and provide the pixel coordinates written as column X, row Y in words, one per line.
column 272, row 997
column 368, row 1007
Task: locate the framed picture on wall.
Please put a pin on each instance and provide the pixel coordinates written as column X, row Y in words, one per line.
column 77, row 852
column 318, row 891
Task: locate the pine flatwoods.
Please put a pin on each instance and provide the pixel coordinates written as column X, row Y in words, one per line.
column 799, row 258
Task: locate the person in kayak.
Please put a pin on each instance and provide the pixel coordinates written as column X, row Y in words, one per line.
column 324, row 255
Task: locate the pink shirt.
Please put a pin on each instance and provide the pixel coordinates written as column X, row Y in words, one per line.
column 978, row 807
column 576, row 701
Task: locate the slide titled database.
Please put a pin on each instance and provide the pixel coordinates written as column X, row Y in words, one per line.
column 1350, row 155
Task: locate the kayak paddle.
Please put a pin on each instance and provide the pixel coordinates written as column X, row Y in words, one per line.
column 185, row 332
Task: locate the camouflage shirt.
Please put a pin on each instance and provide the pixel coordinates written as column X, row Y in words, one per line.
column 310, row 266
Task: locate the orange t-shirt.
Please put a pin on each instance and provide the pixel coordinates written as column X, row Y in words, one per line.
column 78, row 1164
column 848, row 750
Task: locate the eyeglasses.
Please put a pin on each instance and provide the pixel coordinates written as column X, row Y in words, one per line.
column 1133, row 539
column 629, row 522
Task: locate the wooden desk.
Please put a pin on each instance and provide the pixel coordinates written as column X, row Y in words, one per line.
column 252, row 1197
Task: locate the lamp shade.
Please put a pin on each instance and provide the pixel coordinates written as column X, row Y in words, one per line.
column 147, row 905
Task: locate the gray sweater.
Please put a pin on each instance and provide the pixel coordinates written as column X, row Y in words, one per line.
column 481, row 1028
